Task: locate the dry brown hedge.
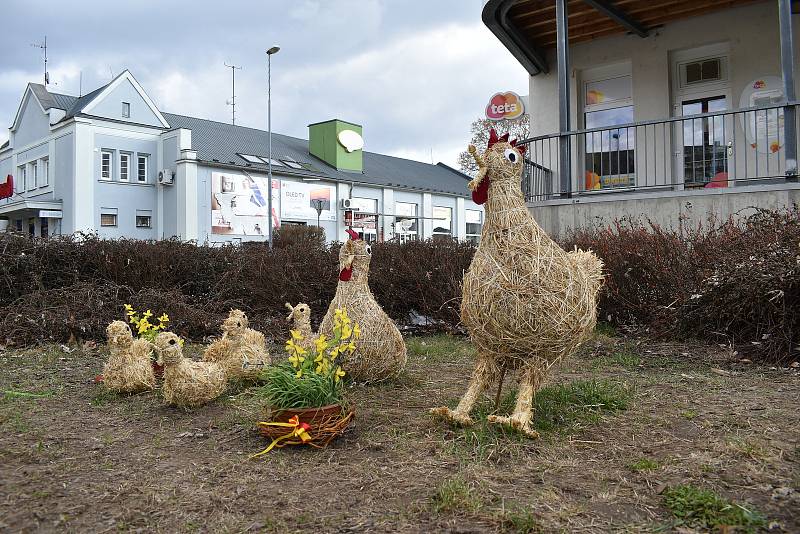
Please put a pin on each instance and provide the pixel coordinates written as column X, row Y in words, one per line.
column 724, row 282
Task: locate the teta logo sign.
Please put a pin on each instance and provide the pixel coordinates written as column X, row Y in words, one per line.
column 506, row 105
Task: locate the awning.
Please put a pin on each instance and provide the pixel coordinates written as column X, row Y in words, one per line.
column 30, row 205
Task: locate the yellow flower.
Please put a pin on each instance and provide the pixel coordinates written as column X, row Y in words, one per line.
column 299, row 374
column 164, row 318
column 339, row 374
column 346, row 331
column 296, row 335
column 292, row 347
column 356, row 331
column 147, row 314
column 128, row 307
column 296, row 360
column 334, row 352
column 321, row 343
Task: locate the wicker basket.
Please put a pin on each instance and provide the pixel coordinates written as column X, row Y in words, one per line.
column 326, row 422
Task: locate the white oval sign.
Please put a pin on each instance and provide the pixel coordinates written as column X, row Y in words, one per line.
column 351, row 140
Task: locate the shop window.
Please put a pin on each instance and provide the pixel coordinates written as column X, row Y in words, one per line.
column 45, row 227
column 141, row 169
column 124, row 167
column 442, row 222
column 31, row 226
column 474, row 219
column 126, row 110
column 609, row 151
column 106, row 166
column 365, row 218
column 405, row 221
column 18, row 225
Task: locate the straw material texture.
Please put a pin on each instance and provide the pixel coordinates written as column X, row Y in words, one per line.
column 380, row 350
column 129, row 368
column 300, row 316
column 186, row 382
column 241, row 351
column 526, row 302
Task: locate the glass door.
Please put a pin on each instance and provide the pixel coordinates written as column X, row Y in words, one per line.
column 705, row 143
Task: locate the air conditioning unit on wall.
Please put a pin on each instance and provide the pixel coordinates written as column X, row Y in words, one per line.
column 165, row 177
column 347, row 203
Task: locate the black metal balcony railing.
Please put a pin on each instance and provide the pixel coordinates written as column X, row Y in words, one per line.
column 706, row 150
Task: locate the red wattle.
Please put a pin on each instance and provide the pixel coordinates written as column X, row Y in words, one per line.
column 481, row 194
column 345, row 274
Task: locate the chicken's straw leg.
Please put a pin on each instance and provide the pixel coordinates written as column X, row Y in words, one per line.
column 523, row 411
column 481, row 378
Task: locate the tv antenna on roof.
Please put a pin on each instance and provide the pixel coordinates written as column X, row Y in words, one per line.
column 43, row 47
column 232, row 101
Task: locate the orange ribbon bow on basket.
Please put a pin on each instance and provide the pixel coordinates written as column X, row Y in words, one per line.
column 299, row 430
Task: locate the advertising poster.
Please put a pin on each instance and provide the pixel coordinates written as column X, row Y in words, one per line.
column 239, row 204
column 299, row 200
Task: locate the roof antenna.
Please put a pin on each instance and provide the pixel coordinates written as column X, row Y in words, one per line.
column 43, row 47
column 232, row 101
column 80, row 84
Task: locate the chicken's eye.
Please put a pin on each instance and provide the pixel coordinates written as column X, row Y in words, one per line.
column 171, row 341
column 511, row 155
column 369, row 250
column 238, row 323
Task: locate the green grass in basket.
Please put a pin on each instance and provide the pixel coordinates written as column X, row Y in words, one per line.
column 283, row 389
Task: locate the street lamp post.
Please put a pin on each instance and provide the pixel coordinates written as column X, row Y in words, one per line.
column 273, row 50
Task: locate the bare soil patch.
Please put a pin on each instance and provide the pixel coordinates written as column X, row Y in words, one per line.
column 74, row 457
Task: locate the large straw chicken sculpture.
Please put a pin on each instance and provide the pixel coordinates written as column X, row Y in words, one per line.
column 527, row 303
column 241, row 351
column 187, row 382
column 380, row 350
column 129, row 368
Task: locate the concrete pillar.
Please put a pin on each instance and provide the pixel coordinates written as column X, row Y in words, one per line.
column 460, row 224
column 186, row 189
column 427, row 212
column 85, row 214
column 388, row 207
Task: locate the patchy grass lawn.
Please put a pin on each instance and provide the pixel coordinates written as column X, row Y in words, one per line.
column 635, row 437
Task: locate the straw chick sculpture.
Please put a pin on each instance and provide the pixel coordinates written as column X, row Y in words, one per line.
column 380, row 351
column 300, row 316
column 186, row 382
column 129, row 368
column 241, row 351
column 526, row 302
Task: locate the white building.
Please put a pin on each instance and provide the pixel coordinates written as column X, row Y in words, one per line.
column 673, row 109
column 110, row 162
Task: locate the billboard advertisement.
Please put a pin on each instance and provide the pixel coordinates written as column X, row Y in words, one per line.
column 239, row 204
column 299, row 200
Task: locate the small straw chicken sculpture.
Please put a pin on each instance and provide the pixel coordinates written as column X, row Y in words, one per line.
column 300, row 316
column 526, row 302
column 380, row 350
column 241, row 351
column 129, row 368
column 186, row 382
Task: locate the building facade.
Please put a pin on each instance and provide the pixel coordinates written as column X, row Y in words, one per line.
column 673, row 109
column 111, row 163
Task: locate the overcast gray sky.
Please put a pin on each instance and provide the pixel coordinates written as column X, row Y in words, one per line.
column 414, row 73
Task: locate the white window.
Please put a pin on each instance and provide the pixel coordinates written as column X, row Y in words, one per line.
column 405, row 221
column 442, row 222
column 45, row 174
column 474, row 219
column 126, row 110
column 141, row 169
column 34, row 176
column 365, row 218
column 144, row 218
column 251, row 159
column 20, row 184
column 108, row 216
column 124, row 167
column 292, row 163
column 106, row 167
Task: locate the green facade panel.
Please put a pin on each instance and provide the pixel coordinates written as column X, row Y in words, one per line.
column 323, row 143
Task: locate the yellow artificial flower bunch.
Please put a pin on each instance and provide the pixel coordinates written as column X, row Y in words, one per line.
column 142, row 325
column 324, row 351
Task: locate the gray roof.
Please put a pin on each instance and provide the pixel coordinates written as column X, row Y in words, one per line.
column 221, row 143
column 73, row 105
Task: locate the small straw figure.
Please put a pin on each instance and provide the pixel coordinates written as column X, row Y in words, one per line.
column 380, row 350
column 129, row 368
column 186, row 382
column 241, row 351
column 300, row 316
column 526, row 302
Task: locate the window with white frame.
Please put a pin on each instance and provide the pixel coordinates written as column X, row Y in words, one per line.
column 365, row 218
column 45, row 174
column 141, row 168
column 144, row 218
column 108, row 217
column 106, row 164
column 23, row 173
column 608, row 102
column 474, row 219
column 124, row 167
column 442, row 222
column 34, row 181
column 126, row 109
column 406, row 223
